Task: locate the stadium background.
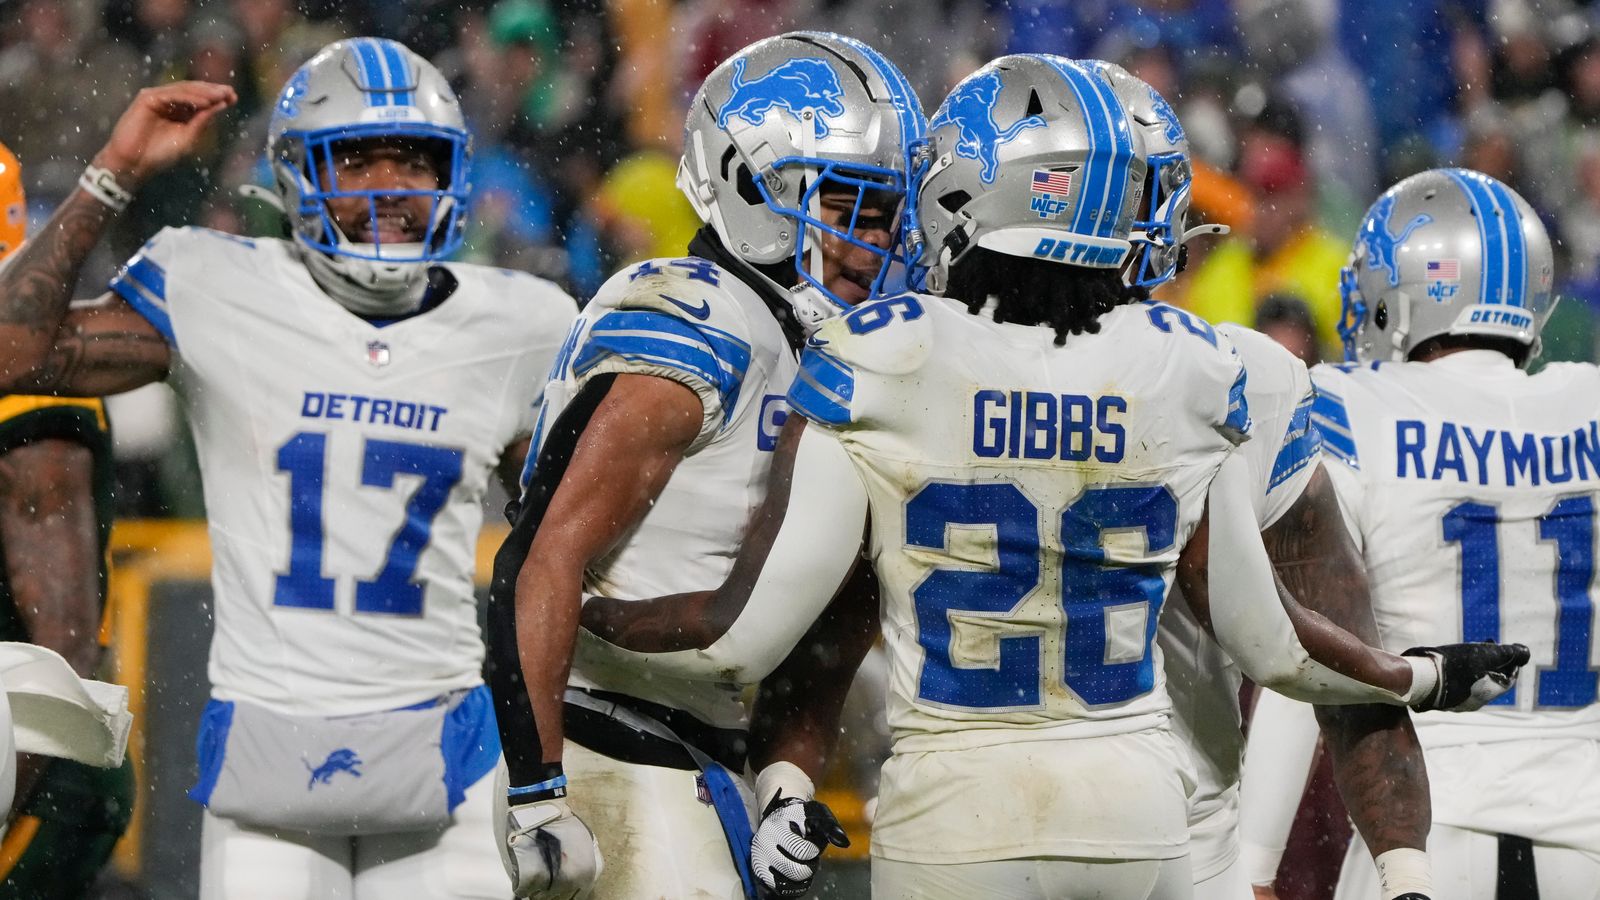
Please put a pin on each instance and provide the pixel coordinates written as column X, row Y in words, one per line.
column 1298, row 111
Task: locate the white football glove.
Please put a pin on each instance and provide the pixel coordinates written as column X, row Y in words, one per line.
column 548, row 852
column 794, row 830
column 1469, row 675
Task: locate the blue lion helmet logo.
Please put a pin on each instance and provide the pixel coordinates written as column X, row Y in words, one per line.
column 342, row 760
column 978, row 136
column 1381, row 245
column 797, row 85
column 1174, row 129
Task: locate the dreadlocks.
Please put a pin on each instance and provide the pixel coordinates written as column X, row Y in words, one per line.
column 1070, row 299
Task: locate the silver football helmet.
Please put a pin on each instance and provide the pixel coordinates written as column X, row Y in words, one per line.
column 358, row 89
column 776, row 124
column 1447, row 251
column 1036, row 156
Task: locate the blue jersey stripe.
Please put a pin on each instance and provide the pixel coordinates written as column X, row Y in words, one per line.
column 823, row 389
column 149, row 275
column 1332, row 422
column 1490, row 231
column 1300, row 445
column 664, row 340
column 145, row 305
column 399, row 78
column 1238, row 407
column 371, row 71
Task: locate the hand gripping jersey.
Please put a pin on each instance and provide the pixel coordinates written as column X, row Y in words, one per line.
column 1028, row 506
column 1202, row 680
column 693, row 322
column 344, row 463
column 1472, row 489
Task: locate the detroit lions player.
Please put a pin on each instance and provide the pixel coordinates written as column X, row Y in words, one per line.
column 1030, row 759
column 350, row 394
column 653, row 448
column 1471, row 488
column 1370, row 745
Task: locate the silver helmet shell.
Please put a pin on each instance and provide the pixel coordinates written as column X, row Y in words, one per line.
column 1035, row 156
column 1445, row 252
column 777, row 123
column 1161, row 223
column 359, row 89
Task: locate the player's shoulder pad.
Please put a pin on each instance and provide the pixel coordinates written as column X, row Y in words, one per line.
column 699, row 292
column 1273, row 369
column 681, row 314
column 1335, row 389
column 892, row 336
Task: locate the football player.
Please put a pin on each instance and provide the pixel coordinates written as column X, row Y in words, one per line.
column 55, row 518
column 350, row 393
column 1031, row 747
column 1470, row 487
column 661, row 417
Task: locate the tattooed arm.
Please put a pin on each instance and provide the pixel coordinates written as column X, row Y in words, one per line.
column 1377, row 761
column 105, row 347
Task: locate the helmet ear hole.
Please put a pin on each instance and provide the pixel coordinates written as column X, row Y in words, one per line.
column 954, row 200
column 1035, row 105
column 1380, row 316
column 727, row 157
column 745, row 184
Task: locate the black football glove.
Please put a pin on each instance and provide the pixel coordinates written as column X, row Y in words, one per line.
column 1470, row 675
column 785, row 851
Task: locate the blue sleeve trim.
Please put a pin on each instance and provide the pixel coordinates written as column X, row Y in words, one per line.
column 1238, row 407
column 715, row 357
column 144, row 285
column 823, row 389
column 210, row 747
column 1300, row 445
column 1332, row 422
column 470, row 744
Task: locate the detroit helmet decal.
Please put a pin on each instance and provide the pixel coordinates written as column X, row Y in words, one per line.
column 1380, row 243
column 971, row 110
column 1173, row 129
column 797, row 85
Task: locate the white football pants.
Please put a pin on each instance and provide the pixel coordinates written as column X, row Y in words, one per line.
column 1465, row 865
column 658, row 839
column 1034, row 879
column 458, row 862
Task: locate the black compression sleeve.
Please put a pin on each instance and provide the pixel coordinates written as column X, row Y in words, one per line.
column 519, row 733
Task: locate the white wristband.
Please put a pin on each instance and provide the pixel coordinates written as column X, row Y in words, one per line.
column 1403, row 871
column 785, row 777
column 1425, row 676
column 102, row 185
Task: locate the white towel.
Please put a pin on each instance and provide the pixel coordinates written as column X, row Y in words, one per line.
column 56, row 713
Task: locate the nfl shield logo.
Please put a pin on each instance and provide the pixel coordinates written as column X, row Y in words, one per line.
column 377, row 353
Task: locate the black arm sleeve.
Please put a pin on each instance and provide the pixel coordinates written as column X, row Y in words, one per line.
column 519, row 733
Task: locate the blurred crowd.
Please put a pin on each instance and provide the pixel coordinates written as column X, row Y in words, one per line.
column 1298, row 112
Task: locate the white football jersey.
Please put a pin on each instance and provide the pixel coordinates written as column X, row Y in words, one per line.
column 695, row 323
column 344, row 463
column 1029, row 503
column 1201, row 678
column 1471, row 487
